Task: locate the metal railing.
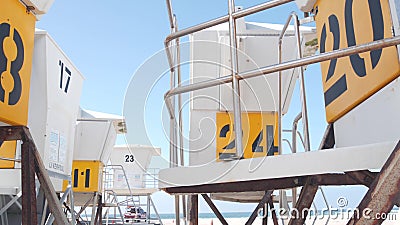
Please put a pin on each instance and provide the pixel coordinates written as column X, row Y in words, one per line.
column 151, row 178
column 304, row 115
column 116, row 167
column 176, row 87
column 234, row 77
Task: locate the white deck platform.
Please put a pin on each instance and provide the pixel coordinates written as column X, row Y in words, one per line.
column 135, row 191
column 331, row 161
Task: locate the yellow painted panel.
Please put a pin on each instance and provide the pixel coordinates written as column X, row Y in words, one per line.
column 17, row 28
column 87, row 176
column 350, row 80
column 259, row 134
column 8, row 150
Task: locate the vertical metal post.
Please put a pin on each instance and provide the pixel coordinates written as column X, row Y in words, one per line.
column 193, row 210
column 95, row 199
column 180, row 120
column 71, row 200
column 173, row 134
column 155, row 210
column 302, row 86
column 29, row 210
column 280, row 100
column 265, row 214
column 148, row 209
column 173, row 131
column 235, row 81
column 177, row 211
column 44, row 213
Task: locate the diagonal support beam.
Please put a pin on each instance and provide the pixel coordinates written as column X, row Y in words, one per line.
column 264, row 200
column 304, row 202
column 273, row 212
column 214, row 209
column 31, row 163
column 382, row 195
column 10, row 203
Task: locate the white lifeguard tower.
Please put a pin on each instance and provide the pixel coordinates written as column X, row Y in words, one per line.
column 95, row 137
column 54, row 96
column 237, row 153
column 130, row 178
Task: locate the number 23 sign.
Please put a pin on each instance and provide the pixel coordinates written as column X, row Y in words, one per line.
column 350, row 80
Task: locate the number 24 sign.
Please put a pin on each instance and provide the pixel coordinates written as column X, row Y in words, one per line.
column 350, row 80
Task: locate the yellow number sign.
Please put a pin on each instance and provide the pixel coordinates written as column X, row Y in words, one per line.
column 86, row 176
column 259, row 135
column 8, row 150
column 350, row 80
column 17, row 27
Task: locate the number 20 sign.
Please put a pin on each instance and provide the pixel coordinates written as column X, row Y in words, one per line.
column 350, row 80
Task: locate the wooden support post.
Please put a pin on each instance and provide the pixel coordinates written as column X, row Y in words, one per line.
column 193, row 210
column 98, row 218
column 265, row 199
column 273, row 212
column 303, row 205
column 29, row 208
column 31, row 162
column 214, row 209
column 382, row 195
column 48, row 189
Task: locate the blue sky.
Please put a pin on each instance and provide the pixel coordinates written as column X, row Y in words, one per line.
column 109, row 40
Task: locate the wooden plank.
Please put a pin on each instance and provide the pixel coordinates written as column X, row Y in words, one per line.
column 382, row 195
column 214, row 209
column 365, row 177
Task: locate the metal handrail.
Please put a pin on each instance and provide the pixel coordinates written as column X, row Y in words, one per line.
column 235, row 81
column 217, row 21
column 118, row 204
column 294, row 131
column 126, row 177
column 293, row 16
column 268, row 70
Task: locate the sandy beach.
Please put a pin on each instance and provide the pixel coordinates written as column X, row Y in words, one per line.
column 258, row 221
